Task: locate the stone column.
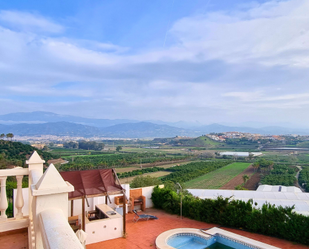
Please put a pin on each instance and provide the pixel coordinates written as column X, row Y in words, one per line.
column 19, row 201
column 3, row 198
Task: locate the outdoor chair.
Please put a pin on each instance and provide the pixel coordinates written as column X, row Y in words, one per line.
column 138, row 217
column 137, row 199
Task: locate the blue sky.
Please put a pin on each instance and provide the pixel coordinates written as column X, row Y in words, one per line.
column 199, row 60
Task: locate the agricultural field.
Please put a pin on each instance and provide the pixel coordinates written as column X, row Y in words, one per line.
column 153, row 174
column 169, row 165
column 126, row 169
column 164, row 166
column 152, row 150
column 86, row 162
column 63, row 152
column 187, row 172
column 217, row 178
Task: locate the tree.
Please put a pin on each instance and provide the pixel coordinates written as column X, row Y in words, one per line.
column 256, row 165
column 45, row 148
column 207, row 155
column 90, row 145
column 10, row 135
column 71, row 145
column 292, row 159
column 245, row 178
column 118, row 148
column 250, row 156
column 263, row 164
column 2, row 135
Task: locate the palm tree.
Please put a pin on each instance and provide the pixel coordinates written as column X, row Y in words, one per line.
column 2, row 135
column 10, row 135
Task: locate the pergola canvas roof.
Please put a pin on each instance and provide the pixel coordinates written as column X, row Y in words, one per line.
column 92, row 182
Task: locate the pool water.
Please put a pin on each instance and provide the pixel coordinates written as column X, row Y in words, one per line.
column 218, row 245
column 196, row 242
column 187, row 242
column 190, row 240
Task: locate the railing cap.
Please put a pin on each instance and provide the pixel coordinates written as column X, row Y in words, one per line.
column 17, row 171
column 35, row 159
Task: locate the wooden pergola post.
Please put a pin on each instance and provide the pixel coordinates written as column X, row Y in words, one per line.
column 72, row 207
column 83, row 212
column 124, row 214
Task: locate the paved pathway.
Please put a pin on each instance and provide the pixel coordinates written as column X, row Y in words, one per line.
column 297, row 175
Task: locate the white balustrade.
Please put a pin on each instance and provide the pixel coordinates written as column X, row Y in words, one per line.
column 3, row 198
column 19, row 202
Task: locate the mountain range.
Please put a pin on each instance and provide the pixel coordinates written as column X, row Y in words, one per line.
column 48, row 123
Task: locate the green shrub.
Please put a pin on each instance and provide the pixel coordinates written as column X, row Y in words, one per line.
column 280, row 222
column 144, row 181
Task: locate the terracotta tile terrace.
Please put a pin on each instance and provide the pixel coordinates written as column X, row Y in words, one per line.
column 143, row 234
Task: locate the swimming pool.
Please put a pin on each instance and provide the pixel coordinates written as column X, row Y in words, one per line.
column 214, row 238
column 191, row 240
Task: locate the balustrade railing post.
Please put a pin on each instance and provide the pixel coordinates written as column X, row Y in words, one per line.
column 3, row 198
column 19, row 201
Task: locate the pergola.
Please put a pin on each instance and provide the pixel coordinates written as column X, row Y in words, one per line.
column 93, row 183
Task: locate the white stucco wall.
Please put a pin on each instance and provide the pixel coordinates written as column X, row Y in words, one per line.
column 104, row 229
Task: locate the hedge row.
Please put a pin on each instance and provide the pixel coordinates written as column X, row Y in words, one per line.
column 139, row 172
column 269, row 220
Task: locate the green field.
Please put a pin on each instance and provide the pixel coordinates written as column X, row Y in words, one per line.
column 88, row 155
column 218, row 178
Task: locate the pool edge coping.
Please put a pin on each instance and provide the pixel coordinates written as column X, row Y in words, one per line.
column 161, row 240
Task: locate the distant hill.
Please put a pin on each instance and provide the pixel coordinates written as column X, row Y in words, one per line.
column 48, row 123
column 223, row 128
column 127, row 130
column 144, row 130
column 50, row 117
column 201, row 141
column 57, row 128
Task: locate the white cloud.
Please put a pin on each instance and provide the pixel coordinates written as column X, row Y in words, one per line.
column 270, row 34
column 221, row 66
column 245, row 96
column 29, row 22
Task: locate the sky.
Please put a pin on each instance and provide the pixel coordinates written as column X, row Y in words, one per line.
column 205, row 61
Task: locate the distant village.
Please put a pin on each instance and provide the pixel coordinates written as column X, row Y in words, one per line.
column 58, row 141
column 221, row 137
